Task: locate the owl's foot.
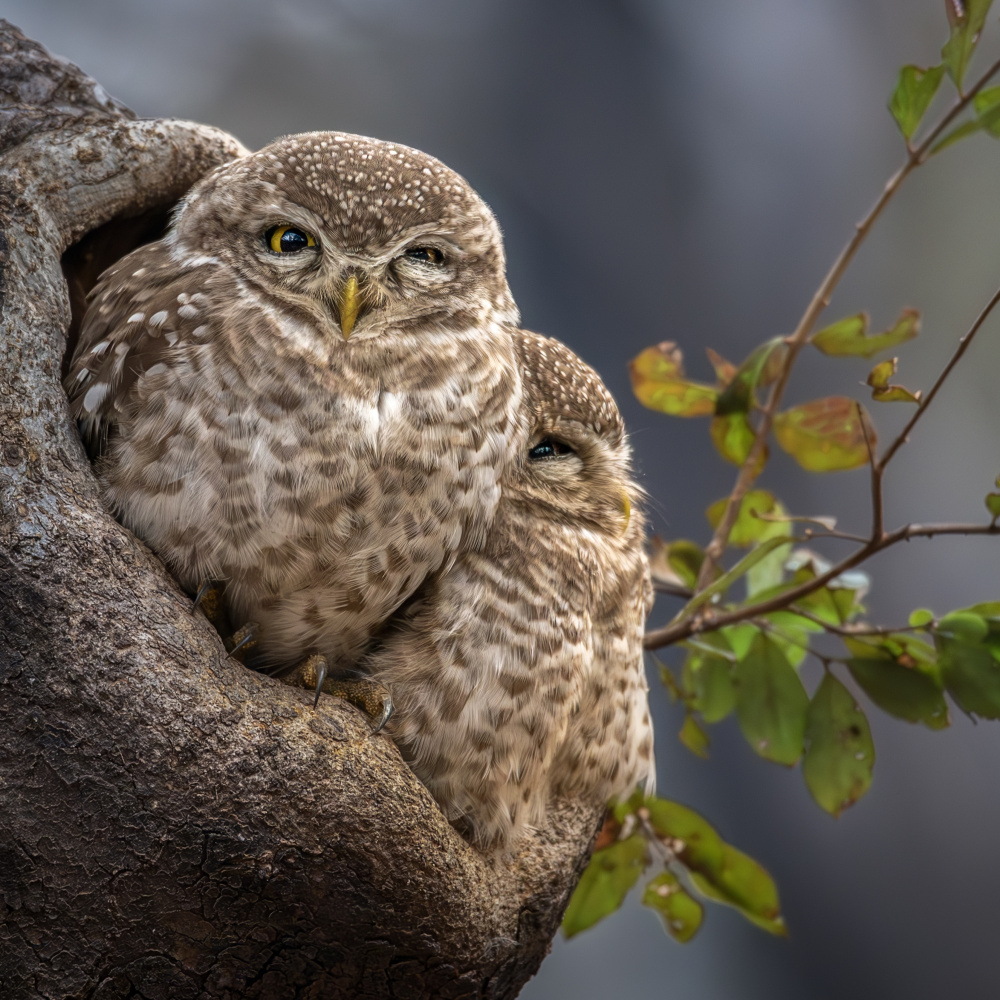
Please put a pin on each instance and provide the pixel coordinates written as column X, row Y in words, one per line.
column 209, row 599
column 242, row 640
column 363, row 692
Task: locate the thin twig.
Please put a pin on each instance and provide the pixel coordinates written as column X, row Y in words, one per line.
column 708, row 622
column 821, row 299
column 851, row 631
column 963, row 346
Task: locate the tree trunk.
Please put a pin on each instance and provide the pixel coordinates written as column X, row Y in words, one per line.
column 171, row 824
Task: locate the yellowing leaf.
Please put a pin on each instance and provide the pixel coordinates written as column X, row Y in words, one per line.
column 760, row 368
column 748, row 528
column 993, row 504
column 771, row 702
column 826, row 435
column 724, row 370
column 840, row 753
column 658, row 382
column 849, row 337
column 682, row 914
column 605, row 883
column 882, row 391
column 914, row 92
column 677, row 562
column 966, row 18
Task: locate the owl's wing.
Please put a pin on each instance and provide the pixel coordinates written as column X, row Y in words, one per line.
column 136, row 314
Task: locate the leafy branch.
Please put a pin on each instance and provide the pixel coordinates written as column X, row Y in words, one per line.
column 743, row 657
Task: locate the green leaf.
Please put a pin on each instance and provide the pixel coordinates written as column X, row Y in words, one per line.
column 759, row 369
column 677, row 562
column 709, row 676
column 986, row 105
column 682, row 914
column 964, row 625
column 826, row 435
column 658, row 382
column 957, row 133
column 920, row 617
column 771, row 702
column 741, row 882
column 747, row 528
column 732, row 436
column 691, row 838
column 969, row 646
column 849, row 337
column 724, row 582
column 914, row 92
column 904, row 692
column 840, row 753
column 882, row 391
column 966, row 18
column 992, row 502
column 605, row 883
column 694, row 737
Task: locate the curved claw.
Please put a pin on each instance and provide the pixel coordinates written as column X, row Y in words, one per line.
column 386, row 715
column 320, row 667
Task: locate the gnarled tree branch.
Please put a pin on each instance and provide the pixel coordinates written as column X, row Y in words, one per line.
column 172, row 825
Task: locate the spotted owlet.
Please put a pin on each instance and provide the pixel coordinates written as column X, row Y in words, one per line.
column 518, row 673
column 306, row 388
column 313, row 389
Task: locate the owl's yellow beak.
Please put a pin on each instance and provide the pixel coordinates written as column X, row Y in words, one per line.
column 626, row 511
column 349, row 305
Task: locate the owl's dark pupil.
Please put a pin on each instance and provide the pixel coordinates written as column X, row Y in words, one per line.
column 293, row 240
column 429, row 255
column 549, row 448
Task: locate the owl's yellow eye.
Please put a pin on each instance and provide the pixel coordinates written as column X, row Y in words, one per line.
column 288, row 239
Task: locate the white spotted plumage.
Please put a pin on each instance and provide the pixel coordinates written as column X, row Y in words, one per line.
column 370, row 497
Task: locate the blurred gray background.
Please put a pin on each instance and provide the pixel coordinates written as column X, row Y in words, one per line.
column 667, row 169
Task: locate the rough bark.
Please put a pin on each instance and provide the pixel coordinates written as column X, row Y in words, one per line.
column 171, row 824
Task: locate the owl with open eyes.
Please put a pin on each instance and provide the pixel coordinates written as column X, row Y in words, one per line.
column 307, row 387
column 313, row 389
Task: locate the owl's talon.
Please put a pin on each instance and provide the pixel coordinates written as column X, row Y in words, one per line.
column 360, row 690
column 209, row 599
column 243, row 639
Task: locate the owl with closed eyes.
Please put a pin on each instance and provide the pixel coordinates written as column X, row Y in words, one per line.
column 307, row 387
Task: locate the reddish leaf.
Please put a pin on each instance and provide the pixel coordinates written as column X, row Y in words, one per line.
column 826, row 435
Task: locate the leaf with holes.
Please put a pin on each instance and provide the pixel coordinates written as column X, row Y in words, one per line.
column 771, row 702
column 605, row 883
column 658, row 382
column 840, row 753
column 682, row 913
column 826, row 435
column 915, row 89
column 849, row 337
